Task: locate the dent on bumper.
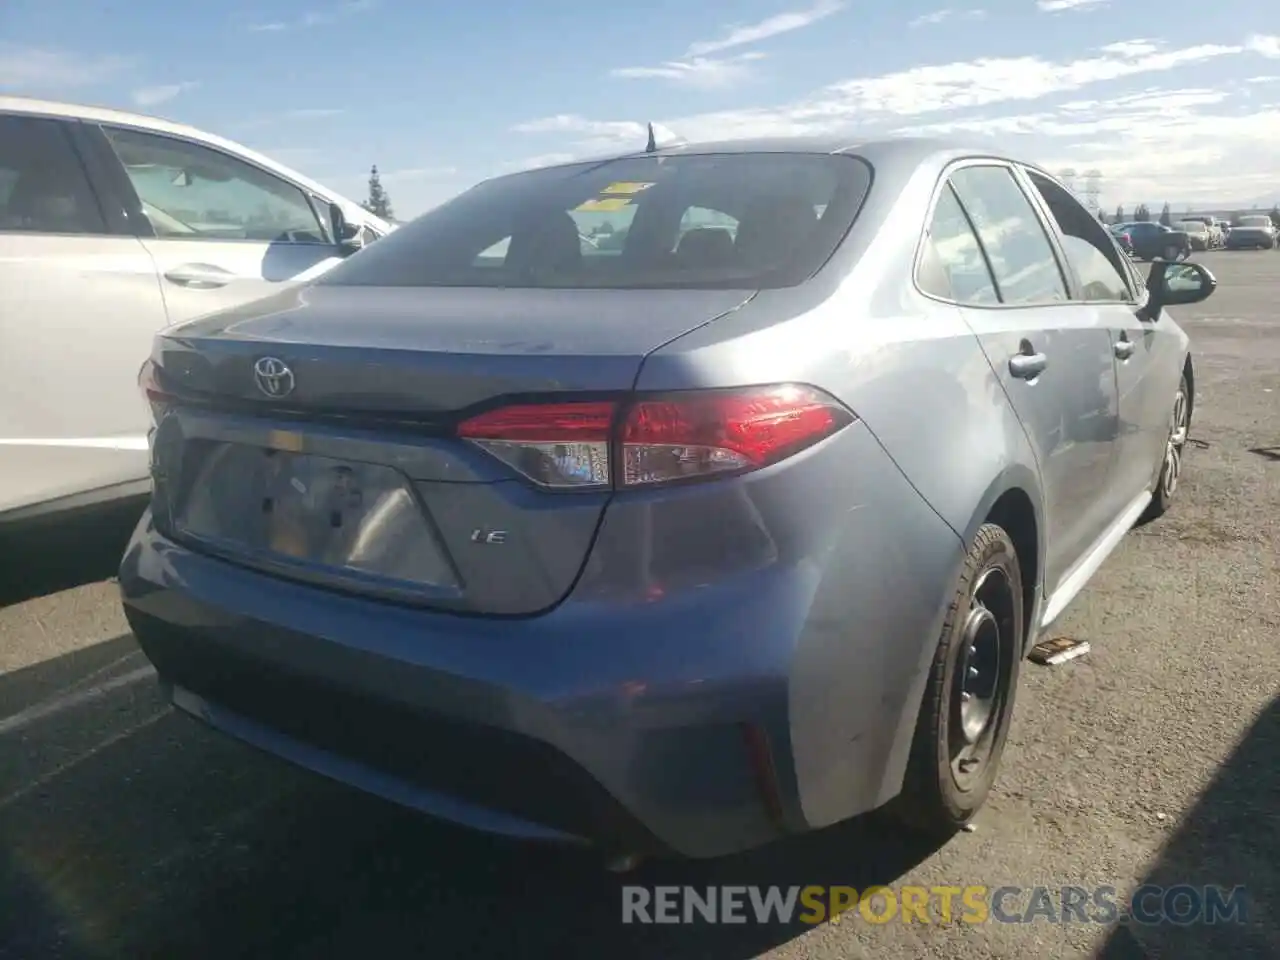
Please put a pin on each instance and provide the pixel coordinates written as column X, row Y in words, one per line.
column 626, row 715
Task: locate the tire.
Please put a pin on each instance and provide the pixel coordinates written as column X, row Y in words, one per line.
column 983, row 630
column 1175, row 448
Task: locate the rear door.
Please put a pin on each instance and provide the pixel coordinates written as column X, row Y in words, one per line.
column 221, row 230
column 79, row 305
column 1052, row 354
column 1147, row 363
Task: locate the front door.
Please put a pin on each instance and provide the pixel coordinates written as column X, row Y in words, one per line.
column 1053, row 357
column 226, row 231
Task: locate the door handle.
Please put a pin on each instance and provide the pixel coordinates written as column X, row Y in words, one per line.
column 199, row 276
column 1027, row 366
column 1124, row 348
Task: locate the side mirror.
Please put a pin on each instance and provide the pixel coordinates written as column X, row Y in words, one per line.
column 349, row 236
column 1174, row 284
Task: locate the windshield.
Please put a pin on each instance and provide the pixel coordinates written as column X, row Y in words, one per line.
column 1193, row 226
column 751, row 221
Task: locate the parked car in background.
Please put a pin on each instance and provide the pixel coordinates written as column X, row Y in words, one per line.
column 112, row 227
column 1120, row 231
column 1198, row 233
column 1155, row 241
column 1252, row 233
column 729, row 534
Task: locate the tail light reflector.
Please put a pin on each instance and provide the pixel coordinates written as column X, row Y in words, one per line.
column 657, row 440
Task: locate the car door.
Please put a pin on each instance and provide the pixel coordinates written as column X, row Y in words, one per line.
column 1052, row 355
column 1148, row 363
column 222, row 231
column 79, row 306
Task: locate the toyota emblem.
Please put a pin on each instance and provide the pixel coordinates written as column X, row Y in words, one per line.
column 273, row 377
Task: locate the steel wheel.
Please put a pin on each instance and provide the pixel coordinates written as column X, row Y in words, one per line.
column 1178, row 428
column 980, row 688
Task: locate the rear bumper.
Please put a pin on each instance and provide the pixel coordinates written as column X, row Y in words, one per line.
column 655, row 709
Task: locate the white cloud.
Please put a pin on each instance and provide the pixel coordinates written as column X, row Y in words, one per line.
column 34, row 68
column 696, row 71
column 1058, row 6
column 946, row 15
column 697, row 68
column 316, row 18
column 1268, row 46
column 540, row 160
column 1185, row 141
column 417, row 173
column 739, row 36
column 152, row 96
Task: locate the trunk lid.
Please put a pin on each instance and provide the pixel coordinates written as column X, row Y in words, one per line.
column 351, row 478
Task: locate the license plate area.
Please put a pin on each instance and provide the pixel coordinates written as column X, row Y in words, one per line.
column 310, row 516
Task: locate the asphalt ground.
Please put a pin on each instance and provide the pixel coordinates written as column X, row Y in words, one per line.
column 129, row 832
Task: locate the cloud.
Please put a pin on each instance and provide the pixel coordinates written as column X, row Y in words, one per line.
column 697, row 71
column 416, row 173
column 945, row 15
column 1268, row 46
column 316, row 18
column 1184, row 140
column 738, row 36
column 33, row 68
column 1060, row 6
column 152, row 96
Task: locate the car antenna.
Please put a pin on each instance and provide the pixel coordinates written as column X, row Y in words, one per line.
column 660, row 136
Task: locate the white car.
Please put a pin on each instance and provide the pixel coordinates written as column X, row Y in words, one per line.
column 112, row 227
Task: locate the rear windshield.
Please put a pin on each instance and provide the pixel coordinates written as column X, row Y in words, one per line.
column 1255, row 221
column 707, row 221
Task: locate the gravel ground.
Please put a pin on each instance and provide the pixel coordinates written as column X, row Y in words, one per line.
column 129, row 832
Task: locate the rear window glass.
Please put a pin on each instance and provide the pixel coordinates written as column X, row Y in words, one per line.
column 1255, row 221
column 707, row 221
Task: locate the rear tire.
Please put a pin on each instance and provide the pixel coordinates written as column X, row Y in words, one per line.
column 1175, row 449
column 968, row 703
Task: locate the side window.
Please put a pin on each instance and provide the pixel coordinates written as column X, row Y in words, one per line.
column 43, row 187
column 952, row 266
column 1022, row 260
column 1093, row 256
column 191, row 192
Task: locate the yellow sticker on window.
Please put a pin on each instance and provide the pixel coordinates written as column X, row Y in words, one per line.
column 626, row 187
column 604, row 205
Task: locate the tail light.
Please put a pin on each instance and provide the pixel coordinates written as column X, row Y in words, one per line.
column 152, row 392
column 655, row 440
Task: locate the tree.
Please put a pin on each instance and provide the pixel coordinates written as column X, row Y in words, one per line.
column 1119, row 214
column 1166, row 216
column 379, row 204
column 1275, row 216
column 1141, row 214
column 1102, row 217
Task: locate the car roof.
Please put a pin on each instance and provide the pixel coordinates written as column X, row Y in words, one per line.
column 79, row 111
column 888, row 152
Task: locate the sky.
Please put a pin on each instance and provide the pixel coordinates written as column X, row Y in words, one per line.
column 1171, row 101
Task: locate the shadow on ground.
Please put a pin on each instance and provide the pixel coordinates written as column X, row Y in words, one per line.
column 128, row 831
column 48, row 556
column 1230, row 838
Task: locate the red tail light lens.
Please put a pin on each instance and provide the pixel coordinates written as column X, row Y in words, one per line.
column 657, row 440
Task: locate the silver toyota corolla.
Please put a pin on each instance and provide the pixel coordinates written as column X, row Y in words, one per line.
column 730, row 521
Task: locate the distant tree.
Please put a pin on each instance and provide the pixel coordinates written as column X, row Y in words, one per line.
column 1275, row 216
column 379, row 204
column 1141, row 214
column 1166, row 216
column 1119, row 214
column 1102, row 217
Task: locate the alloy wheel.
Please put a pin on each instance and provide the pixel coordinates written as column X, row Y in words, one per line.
column 1178, row 428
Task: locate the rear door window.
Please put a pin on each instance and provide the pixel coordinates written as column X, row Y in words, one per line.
column 43, row 187
column 750, row 221
column 952, row 265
